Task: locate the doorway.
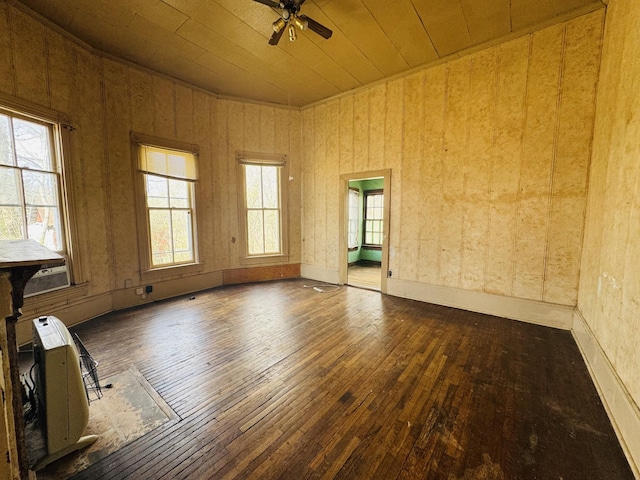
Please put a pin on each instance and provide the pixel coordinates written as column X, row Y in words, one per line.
column 364, row 226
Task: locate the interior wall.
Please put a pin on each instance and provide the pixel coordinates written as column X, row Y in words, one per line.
column 106, row 100
column 609, row 298
column 489, row 156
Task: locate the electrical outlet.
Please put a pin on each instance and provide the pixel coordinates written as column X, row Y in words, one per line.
column 389, row 274
column 139, row 291
column 148, row 289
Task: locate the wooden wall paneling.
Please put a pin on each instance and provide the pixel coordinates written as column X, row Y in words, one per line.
column 88, row 149
column 267, row 129
column 570, row 176
column 377, row 123
column 184, row 113
column 539, row 140
column 203, row 136
column 7, row 69
column 251, row 127
column 321, row 177
column 308, row 189
column 456, row 137
column 431, row 172
column 412, row 214
column 61, row 72
column 222, row 209
column 346, row 134
column 393, row 152
column 29, row 57
column 361, row 131
column 142, row 101
column 507, row 159
column 119, row 180
column 296, row 154
column 333, row 183
column 164, row 119
column 235, row 140
column 210, row 185
column 477, row 168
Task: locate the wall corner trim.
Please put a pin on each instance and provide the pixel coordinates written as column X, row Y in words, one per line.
column 623, row 412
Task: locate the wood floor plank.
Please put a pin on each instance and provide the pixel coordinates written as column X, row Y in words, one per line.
column 277, row 381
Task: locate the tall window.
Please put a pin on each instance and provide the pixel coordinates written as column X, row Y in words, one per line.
column 373, row 217
column 30, row 182
column 354, row 217
column 169, row 177
column 263, row 207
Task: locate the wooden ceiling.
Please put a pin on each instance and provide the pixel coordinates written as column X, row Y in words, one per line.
column 221, row 45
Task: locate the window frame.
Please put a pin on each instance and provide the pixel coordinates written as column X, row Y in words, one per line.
column 61, row 126
column 149, row 272
column 357, row 221
column 365, row 244
column 263, row 159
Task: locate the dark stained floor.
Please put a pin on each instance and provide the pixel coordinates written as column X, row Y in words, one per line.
column 273, row 380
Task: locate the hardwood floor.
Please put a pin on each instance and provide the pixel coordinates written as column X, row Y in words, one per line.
column 275, row 381
column 364, row 276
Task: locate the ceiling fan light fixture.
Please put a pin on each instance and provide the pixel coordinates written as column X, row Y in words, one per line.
column 300, row 23
column 292, row 33
column 279, row 25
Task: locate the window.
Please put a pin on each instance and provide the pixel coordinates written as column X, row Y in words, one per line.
column 354, row 217
column 169, row 177
column 30, row 182
column 263, row 212
column 373, row 217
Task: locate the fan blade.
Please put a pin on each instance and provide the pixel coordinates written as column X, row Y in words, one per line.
column 320, row 29
column 275, row 38
column 269, row 3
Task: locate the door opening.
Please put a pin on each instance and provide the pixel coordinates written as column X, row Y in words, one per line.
column 364, row 229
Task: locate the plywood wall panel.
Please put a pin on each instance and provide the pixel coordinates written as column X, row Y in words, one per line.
column 377, row 111
column 119, row 173
column 539, row 142
column 332, row 159
column 576, row 113
column 308, row 190
column 184, row 113
column 236, row 138
column 204, row 136
column 477, row 168
column 412, row 205
column 141, row 99
column 251, row 127
column 346, row 134
column 224, row 236
column 62, row 74
column 455, row 144
column 7, row 72
column 266, row 130
column 164, row 120
column 29, row 57
column 321, row 179
column 507, row 160
column 361, row 131
column 393, row 160
column 435, row 82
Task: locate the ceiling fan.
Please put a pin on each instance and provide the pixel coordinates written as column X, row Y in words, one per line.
column 289, row 20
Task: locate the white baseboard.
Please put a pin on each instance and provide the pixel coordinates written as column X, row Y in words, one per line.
column 321, row 274
column 531, row 311
column 621, row 408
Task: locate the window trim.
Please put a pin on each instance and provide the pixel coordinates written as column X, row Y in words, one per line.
column 366, row 194
column 147, row 271
column 62, row 126
column 268, row 159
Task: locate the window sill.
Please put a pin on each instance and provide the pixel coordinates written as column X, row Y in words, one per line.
column 372, row 247
column 173, row 271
